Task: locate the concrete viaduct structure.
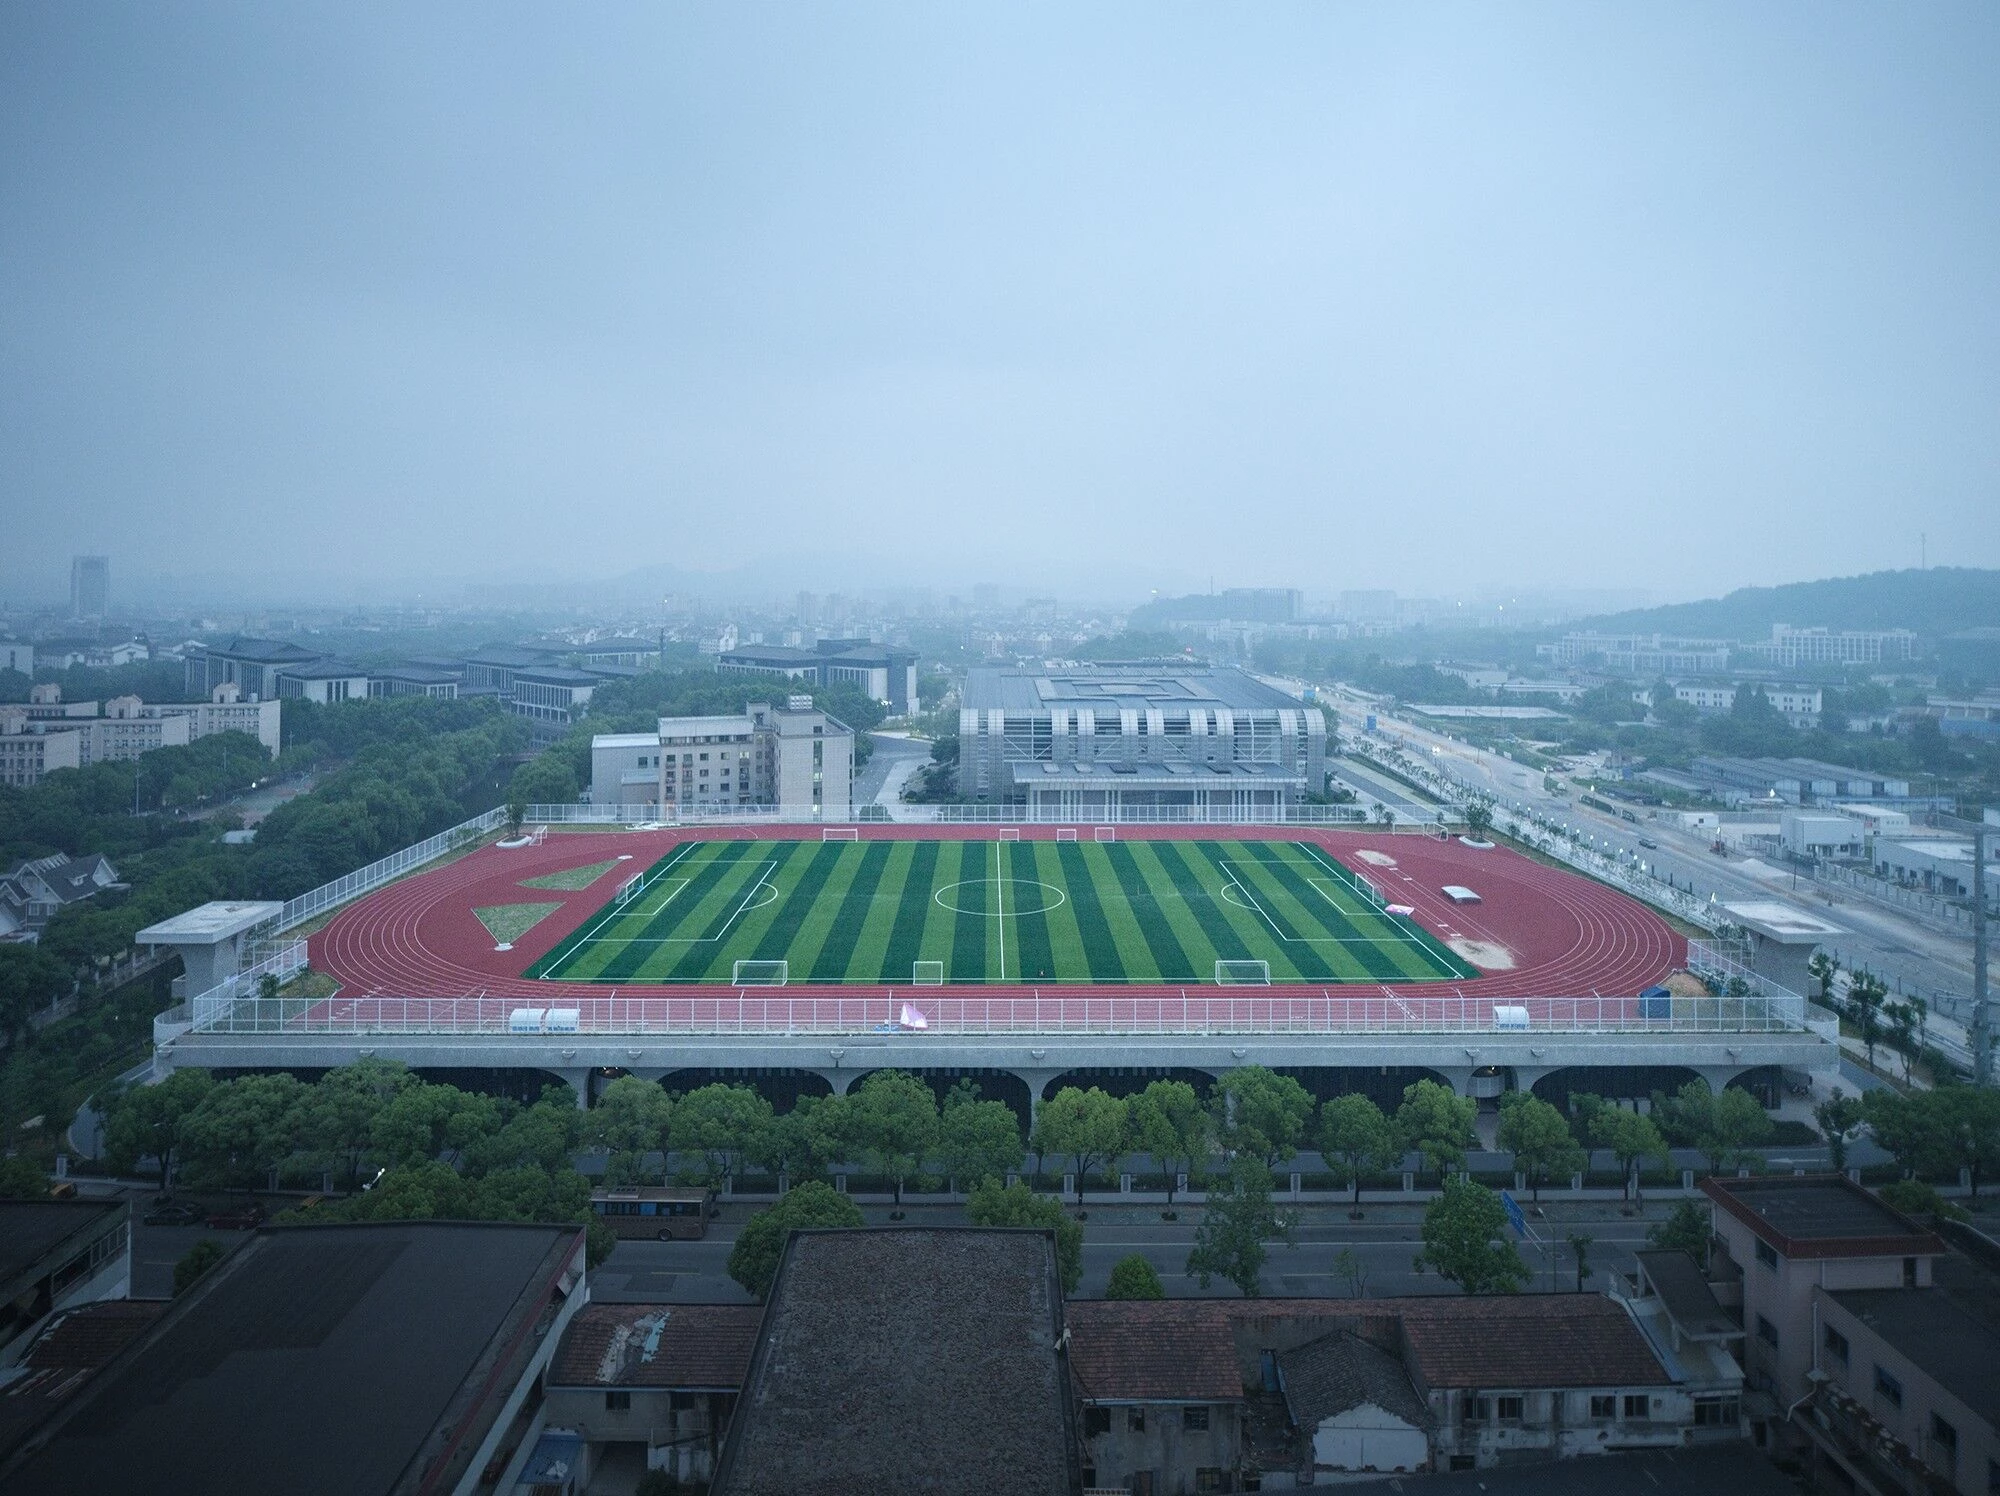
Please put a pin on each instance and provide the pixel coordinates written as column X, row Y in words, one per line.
column 1472, row 1063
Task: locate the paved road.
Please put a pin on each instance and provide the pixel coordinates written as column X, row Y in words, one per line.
column 1383, row 1243
column 1898, row 949
column 895, row 758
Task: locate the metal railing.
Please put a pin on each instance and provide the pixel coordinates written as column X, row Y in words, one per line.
column 283, row 963
column 1167, row 1012
column 947, row 815
column 364, row 879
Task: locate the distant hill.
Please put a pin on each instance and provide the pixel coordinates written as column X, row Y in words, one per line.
column 1941, row 600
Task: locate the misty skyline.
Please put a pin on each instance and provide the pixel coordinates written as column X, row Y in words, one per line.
column 1450, row 301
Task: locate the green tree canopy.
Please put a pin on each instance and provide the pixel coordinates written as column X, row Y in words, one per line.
column 1437, row 1123
column 1134, row 1277
column 894, row 1120
column 1539, row 1138
column 1236, row 1223
column 1687, row 1228
column 194, row 1264
column 1088, row 1127
column 1357, row 1137
column 1725, row 1127
column 753, row 1261
column 1465, row 1240
column 1169, row 1124
column 978, row 1139
column 1261, row 1113
column 1631, row 1138
column 150, row 1122
column 718, row 1124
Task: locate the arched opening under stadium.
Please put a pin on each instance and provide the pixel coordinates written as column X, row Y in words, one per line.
column 1124, row 1081
column 1632, row 1085
column 780, row 1086
column 1382, row 1084
column 1766, row 1083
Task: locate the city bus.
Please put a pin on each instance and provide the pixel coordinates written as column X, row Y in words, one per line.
column 666, row 1214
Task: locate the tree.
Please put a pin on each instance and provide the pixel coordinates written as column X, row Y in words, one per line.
column 978, row 1139
column 1865, row 992
column 1687, row 1228
column 1907, row 1022
column 753, row 1261
column 544, row 1135
column 30, row 979
column 895, row 1121
column 517, row 811
column 1960, row 1129
column 1579, row 1245
column 1478, row 820
column 1261, row 1114
column 1229, row 1242
column 1134, row 1277
column 1355, row 1137
column 789, row 1145
column 195, row 1262
column 1725, row 1127
column 720, row 1123
column 1631, row 1138
column 630, row 1122
column 1349, row 1267
column 150, row 1122
column 1838, row 1116
column 22, row 1179
column 1465, row 1240
column 1915, row 1198
column 994, row 1204
column 1169, row 1124
column 338, row 1118
column 424, row 1122
column 1437, row 1123
column 243, row 1131
column 1824, row 967
column 1539, row 1138
column 1088, row 1126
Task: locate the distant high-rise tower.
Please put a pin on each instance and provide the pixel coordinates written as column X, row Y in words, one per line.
column 89, row 586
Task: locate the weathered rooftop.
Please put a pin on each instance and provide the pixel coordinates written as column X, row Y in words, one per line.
column 908, row 1359
column 1685, row 1292
column 1820, row 1216
column 1151, row 1351
column 691, row 1347
column 32, row 1230
column 1341, row 1371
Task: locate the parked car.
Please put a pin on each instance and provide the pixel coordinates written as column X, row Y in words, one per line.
column 1650, row 846
column 239, row 1218
column 173, row 1213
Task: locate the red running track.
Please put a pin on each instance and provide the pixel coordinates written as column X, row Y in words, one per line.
column 1566, row 936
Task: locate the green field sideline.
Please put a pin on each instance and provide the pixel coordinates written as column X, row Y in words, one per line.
column 998, row 912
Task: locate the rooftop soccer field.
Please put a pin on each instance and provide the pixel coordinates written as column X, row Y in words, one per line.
column 1016, row 912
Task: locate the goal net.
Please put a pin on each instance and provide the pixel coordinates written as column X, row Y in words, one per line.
column 927, row 973
column 629, row 889
column 760, row 974
column 1104, row 833
column 1010, row 833
column 1065, row 833
column 839, row 833
column 1243, row 973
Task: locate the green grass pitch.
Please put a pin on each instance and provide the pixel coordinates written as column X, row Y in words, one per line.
column 1021, row 913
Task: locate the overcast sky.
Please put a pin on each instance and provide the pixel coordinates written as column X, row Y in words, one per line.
column 1679, row 297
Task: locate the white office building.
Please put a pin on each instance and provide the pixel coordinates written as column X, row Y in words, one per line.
column 794, row 757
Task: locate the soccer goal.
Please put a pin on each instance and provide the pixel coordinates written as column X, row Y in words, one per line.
column 629, row 888
column 927, row 973
column 760, row 974
column 1243, row 973
column 539, row 835
column 1010, row 833
column 1065, row 833
column 839, row 833
column 1104, row 833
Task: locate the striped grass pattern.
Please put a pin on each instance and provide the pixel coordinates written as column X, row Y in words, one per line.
column 1015, row 912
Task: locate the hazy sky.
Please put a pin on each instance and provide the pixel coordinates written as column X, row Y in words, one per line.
column 1682, row 297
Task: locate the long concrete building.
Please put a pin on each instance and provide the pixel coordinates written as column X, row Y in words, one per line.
column 1153, row 737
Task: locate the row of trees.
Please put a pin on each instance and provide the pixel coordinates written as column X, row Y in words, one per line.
column 1934, row 1134
column 1900, row 1023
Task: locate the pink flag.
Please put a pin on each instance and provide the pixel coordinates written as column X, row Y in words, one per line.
column 1402, row 909
column 913, row 1018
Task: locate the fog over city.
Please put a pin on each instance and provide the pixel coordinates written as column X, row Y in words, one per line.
column 384, row 301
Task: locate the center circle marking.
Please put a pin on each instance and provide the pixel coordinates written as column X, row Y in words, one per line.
column 1024, row 896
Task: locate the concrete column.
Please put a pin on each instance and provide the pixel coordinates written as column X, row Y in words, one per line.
column 1458, row 1077
column 579, row 1082
column 840, row 1080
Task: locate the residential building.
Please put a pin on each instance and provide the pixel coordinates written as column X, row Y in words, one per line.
column 1162, row 1406
column 651, row 1384
column 1677, row 1311
column 368, row 1359
column 794, row 757
column 125, row 727
column 325, row 680
column 34, row 892
column 1639, row 654
column 225, row 711
column 1153, row 738
column 908, row 1359
column 1780, row 1241
column 16, row 654
column 251, row 665
column 1798, row 704
column 89, row 586
column 26, row 757
column 1788, row 647
column 56, row 1255
column 73, row 1346
column 879, row 672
